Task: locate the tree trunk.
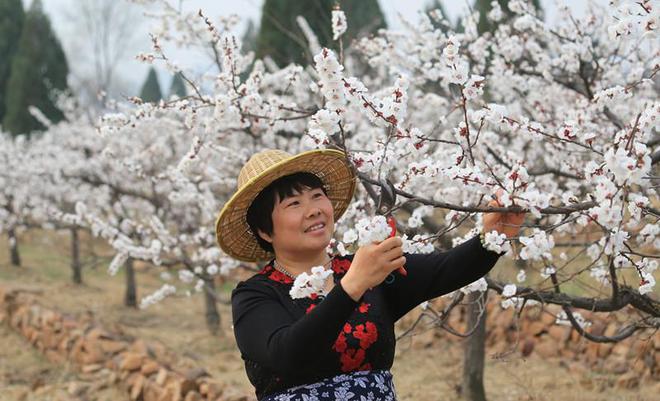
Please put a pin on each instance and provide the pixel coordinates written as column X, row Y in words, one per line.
column 130, row 297
column 212, row 315
column 13, row 248
column 473, row 368
column 75, row 257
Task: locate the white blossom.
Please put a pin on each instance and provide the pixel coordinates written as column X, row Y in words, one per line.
column 537, row 246
column 496, row 242
column 307, row 284
column 157, row 295
column 338, row 24
column 562, row 319
column 478, row 286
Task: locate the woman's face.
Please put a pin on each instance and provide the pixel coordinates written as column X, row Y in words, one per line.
column 296, row 221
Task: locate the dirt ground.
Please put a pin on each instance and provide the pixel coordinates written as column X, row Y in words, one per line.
column 423, row 369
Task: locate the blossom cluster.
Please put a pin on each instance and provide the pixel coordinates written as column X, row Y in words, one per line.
column 307, row 284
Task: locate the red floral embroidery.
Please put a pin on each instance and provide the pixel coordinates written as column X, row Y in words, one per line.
column 280, row 277
column 340, row 266
column 366, row 337
column 310, row 307
column 351, row 359
column 276, row 275
column 266, row 269
column 340, row 343
column 364, row 307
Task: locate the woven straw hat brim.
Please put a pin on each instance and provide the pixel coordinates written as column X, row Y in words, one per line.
column 232, row 230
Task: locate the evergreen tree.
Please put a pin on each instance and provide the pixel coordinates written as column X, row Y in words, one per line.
column 39, row 67
column 280, row 36
column 150, row 91
column 177, row 87
column 484, row 7
column 11, row 24
column 249, row 40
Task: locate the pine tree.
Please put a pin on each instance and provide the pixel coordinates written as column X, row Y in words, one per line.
column 177, row 87
column 249, row 39
column 11, row 23
column 150, row 91
column 484, row 7
column 280, row 36
column 39, row 67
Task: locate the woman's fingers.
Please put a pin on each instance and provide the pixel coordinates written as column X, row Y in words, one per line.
column 390, row 243
column 393, row 253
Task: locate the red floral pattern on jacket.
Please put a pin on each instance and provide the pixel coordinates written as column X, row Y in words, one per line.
column 358, row 334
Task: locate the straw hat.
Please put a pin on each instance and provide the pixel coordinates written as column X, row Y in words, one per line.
column 232, row 230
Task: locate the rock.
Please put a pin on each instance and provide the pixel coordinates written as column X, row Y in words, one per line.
column 597, row 328
column 91, row 368
column 98, row 386
column 621, row 350
column 112, row 347
column 558, row 333
column 193, row 396
column 151, row 391
column 54, row 356
column 536, row 328
column 139, row 347
column 188, row 385
column 149, row 367
column 611, row 329
column 548, row 319
column 592, row 351
column 77, row 389
column 211, row 390
column 196, row 373
column 136, row 387
column 527, row 347
column 546, row 349
column 172, row 392
column 131, row 361
column 92, row 353
column 604, row 350
column 161, row 376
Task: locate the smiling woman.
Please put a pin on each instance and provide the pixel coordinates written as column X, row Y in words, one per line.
column 338, row 343
column 294, row 215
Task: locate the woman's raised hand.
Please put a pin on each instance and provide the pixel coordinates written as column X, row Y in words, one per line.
column 372, row 264
column 504, row 223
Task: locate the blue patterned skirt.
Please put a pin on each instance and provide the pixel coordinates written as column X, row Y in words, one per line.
column 368, row 385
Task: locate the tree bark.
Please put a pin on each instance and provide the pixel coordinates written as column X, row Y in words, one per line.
column 130, row 297
column 13, row 248
column 212, row 315
column 473, row 368
column 75, row 257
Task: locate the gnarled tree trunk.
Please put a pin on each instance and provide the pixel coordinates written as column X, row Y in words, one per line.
column 473, row 368
column 13, row 248
column 212, row 315
column 130, row 296
column 75, row 257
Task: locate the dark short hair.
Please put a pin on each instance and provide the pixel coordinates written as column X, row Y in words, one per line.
column 260, row 213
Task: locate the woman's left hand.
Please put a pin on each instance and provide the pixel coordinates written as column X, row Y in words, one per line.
column 504, row 223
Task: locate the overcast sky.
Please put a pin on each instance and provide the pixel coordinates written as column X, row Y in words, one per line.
column 133, row 73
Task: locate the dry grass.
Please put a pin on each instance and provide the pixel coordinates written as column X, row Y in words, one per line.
column 420, row 372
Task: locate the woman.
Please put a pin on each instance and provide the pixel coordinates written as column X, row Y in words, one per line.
column 338, row 344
